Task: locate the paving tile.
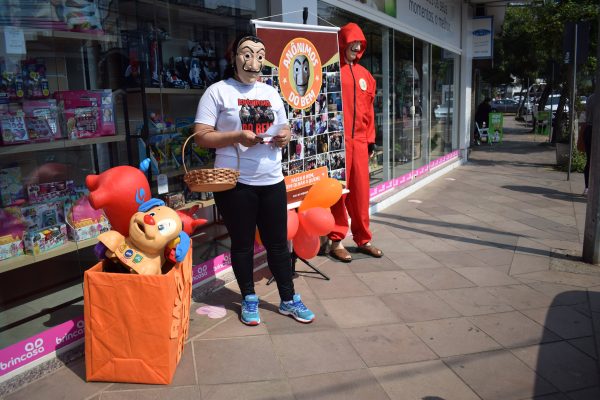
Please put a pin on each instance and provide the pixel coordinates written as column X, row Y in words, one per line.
column 456, row 259
column 585, row 394
column 276, row 323
column 415, row 260
column 268, row 390
column 594, row 298
column 586, row 345
column 228, row 360
column 513, row 329
column 388, row 345
column 493, row 256
column 178, row 393
column 485, row 276
column 521, row 297
column 565, row 321
column 312, row 353
column 66, row 383
column 564, row 278
column 512, row 379
column 390, row 282
column 562, row 295
column 359, row 311
column 428, row 244
column 453, row 336
column 331, row 268
column 439, row 278
column 418, row 306
column 424, row 380
column 473, row 301
column 364, row 263
column 348, row 385
column 231, row 326
column 341, row 286
column 526, row 263
column 563, row 365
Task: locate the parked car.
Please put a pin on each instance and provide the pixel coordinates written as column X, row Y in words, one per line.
column 505, row 106
column 552, row 104
column 443, row 112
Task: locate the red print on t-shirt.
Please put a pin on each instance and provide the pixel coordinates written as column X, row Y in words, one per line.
column 256, row 115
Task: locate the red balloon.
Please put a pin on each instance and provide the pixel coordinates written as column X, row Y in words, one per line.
column 317, row 221
column 292, row 224
column 306, row 245
column 324, row 193
column 119, row 191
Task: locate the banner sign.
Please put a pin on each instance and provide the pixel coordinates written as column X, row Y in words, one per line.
column 483, row 37
column 496, row 122
column 303, row 64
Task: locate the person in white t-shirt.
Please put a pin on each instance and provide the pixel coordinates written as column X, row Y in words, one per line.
column 259, row 198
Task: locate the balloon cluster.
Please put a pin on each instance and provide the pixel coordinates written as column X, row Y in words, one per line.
column 314, row 218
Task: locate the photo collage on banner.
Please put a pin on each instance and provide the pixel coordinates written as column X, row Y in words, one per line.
column 303, row 65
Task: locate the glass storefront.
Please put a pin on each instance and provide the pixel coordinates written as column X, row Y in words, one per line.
column 88, row 85
column 415, row 121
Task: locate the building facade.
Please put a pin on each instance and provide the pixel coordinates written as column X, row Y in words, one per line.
column 89, row 85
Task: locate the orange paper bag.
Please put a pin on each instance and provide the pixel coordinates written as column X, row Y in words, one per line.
column 136, row 325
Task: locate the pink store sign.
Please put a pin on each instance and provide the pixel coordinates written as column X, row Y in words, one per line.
column 408, row 177
column 27, row 351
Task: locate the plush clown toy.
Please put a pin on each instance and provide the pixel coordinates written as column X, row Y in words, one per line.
column 155, row 234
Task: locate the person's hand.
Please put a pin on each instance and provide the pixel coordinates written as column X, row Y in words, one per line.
column 249, row 138
column 282, row 138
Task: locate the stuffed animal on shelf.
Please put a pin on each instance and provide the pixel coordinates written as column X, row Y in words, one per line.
column 155, row 234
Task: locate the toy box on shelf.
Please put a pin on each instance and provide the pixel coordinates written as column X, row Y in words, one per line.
column 38, row 241
column 84, row 221
column 86, row 113
column 11, row 186
column 41, row 192
column 11, row 233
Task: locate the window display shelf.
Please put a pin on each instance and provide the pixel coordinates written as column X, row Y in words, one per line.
column 21, row 261
column 185, row 92
column 36, row 34
column 59, row 144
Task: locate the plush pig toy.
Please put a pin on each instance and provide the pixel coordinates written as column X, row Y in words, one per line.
column 119, row 191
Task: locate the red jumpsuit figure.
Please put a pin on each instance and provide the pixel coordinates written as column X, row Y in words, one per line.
column 358, row 94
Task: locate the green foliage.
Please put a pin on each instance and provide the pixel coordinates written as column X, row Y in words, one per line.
column 532, row 38
column 578, row 161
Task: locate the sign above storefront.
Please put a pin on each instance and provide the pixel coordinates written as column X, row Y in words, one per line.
column 483, row 37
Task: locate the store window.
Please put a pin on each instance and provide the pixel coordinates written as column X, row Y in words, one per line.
column 445, row 102
column 88, row 85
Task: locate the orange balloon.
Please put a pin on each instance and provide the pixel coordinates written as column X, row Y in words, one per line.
column 324, row 193
column 317, row 221
column 257, row 237
column 292, row 224
column 306, row 245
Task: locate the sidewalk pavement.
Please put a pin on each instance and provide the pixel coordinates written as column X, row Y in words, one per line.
column 479, row 296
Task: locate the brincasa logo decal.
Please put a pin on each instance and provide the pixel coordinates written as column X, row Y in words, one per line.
column 300, row 73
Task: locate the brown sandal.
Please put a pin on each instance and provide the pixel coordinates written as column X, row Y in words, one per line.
column 341, row 254
column 369, row 250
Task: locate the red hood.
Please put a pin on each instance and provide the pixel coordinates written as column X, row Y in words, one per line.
column 348, row 34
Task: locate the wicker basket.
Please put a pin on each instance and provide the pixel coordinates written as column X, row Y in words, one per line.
column 210, row 179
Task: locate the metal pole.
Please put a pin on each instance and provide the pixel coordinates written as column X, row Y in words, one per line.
column 572, row 105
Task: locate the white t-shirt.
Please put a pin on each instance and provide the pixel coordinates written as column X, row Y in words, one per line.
column 230, row 105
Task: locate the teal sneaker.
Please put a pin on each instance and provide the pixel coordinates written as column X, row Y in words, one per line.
column 250, row 315
column 297, row 309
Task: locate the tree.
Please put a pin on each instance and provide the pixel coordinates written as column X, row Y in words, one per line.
column 530, row 44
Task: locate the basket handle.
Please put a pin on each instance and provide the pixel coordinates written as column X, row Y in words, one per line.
column 237, row 152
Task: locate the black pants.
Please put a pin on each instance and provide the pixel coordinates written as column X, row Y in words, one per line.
column 245, row 207
column 587, row 139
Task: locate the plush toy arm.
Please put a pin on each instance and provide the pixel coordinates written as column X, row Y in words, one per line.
column 111, row 240
column 100, row 250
